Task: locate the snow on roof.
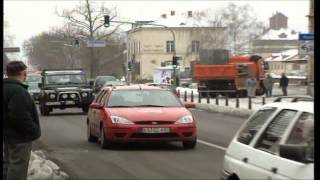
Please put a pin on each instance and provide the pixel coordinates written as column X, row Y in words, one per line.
column 180, row 20
column 281, row 34
column 283, row 56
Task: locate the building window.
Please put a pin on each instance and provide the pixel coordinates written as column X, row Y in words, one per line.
column 195, row 46
column 170, row 46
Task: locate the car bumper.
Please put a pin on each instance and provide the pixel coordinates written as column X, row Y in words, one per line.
column 69, row 103
column 134, row 133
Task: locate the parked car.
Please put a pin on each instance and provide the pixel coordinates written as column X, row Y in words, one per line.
column 276, row 142
column 64, row 89
column 100, row 81
column 34, row 91
column 140, row 113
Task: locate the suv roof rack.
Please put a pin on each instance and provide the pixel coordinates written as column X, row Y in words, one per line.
column 294, row 98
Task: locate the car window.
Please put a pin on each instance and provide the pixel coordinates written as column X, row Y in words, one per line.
column 303, row 133
column 254, row 124
column 98, row 96
column 270, row 139
column 102, row 96
column 143, row 98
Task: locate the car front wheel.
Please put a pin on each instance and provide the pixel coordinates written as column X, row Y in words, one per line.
column 89, row 135
column 104, row 143
column 190, row 144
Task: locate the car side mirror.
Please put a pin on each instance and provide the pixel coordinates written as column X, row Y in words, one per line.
column 40, row 85
column 189, row 105
column 96, row 106
column 294, row 152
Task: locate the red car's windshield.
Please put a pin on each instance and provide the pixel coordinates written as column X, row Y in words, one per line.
column 153, row 98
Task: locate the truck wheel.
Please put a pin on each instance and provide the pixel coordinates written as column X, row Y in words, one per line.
column 44, row 110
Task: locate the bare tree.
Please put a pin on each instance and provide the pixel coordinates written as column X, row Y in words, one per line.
column 87, row 18
column 242, row 25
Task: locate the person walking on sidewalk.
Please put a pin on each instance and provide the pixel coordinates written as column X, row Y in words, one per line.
column 284, row 82
column 251, row 86
column 268, row 85
column 20, row 123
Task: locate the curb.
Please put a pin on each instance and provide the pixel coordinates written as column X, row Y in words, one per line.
column 239, row 112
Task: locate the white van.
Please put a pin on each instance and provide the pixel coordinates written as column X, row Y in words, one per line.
column 276, row 142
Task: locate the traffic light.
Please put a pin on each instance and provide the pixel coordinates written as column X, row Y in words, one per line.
column 129, row 66
column 175, row 61
column 76, row 43
column 106, row 21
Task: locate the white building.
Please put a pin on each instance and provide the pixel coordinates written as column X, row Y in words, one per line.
column 151, row 46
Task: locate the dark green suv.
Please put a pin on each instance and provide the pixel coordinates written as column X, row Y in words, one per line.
column 64, row 89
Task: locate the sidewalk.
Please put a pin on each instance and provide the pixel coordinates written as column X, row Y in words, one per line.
column 243, row 109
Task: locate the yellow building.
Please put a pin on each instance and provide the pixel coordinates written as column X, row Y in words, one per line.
column 151, row 46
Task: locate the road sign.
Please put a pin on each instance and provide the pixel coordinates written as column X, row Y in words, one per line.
column 306, row 37
column 11, row 49
column 306, row 48
column 96, row 43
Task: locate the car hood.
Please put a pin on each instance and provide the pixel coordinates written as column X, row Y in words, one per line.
column 150, row 113
column 68, row 88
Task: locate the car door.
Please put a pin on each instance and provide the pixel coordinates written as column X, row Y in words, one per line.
column 302, row 133
column 265, row 152
column 93, row 117
column 99, row 112
column 240, row 152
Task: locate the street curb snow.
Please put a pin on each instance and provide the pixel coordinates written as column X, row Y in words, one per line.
column 42, row 169
column 240, row 112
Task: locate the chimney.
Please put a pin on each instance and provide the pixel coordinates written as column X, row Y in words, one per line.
column 189, row 13
column 172, row 13
column 164, row 16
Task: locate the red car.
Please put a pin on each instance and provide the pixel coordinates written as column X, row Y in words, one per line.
column 140, row 113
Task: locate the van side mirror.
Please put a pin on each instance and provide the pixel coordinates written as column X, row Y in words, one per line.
column 40, row 85
column 294, row 152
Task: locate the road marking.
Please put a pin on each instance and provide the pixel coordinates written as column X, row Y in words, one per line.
column 212, row 145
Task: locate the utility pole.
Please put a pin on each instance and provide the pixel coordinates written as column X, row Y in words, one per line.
column 310, row 89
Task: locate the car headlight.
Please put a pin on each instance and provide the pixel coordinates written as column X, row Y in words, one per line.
column 73, row 96
column 185, row 119
column 52, row 96
column 120, row 120
column 84, row 94
column 65, row 96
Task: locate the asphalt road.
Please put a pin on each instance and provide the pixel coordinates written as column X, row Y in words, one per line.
column 64, row 139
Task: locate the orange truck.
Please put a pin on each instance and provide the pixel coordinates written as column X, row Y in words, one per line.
column 230, row 78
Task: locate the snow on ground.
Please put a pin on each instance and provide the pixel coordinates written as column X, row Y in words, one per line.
column 42, row 169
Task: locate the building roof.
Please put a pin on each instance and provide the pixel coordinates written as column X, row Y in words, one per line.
column 180, row 20
column 278, row 14
column 288, row 55
column 281, row 34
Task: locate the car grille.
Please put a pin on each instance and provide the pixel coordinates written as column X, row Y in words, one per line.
column 153, row 122
column 160, row 135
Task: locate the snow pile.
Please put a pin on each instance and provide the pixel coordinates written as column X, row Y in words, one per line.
column 42, row 169
column 242, row 112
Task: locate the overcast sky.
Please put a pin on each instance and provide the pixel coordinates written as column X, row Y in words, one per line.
column 28, row 18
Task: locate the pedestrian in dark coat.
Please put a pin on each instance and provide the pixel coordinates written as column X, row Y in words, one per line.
column 268, row 85
column 20, row 122
column 284, row 82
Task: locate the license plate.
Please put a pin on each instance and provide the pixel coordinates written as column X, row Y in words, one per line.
column 70, row 102
column 155, row 130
